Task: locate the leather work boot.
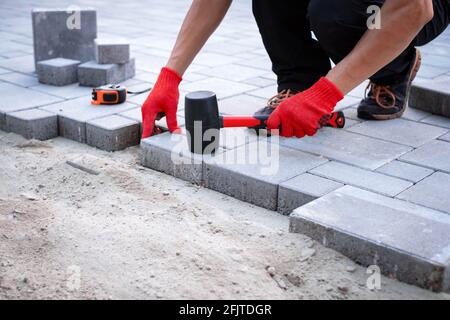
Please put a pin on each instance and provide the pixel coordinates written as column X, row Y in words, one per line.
column 385, row 102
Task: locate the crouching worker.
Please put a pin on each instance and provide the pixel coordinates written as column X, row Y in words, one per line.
column 308, row 87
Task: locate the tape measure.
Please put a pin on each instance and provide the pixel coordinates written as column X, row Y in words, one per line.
column 112, row 94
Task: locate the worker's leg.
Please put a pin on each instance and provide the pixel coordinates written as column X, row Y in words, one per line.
column 339, row 25
column 297, row 59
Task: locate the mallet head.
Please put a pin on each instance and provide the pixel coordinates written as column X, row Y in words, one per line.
column 202, row 120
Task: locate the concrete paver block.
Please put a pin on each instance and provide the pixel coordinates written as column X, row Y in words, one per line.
column 437, row 121
column 369, row 180
column 241, row 105
column 58, row 71
column 72, row 91
column 93, row 74
column 33, row 124
column 20, row 79
column 23, row 64
column 15, row 98
column 445, row 137
column 361, row 151
column 111, row 51
column 434, row 155
column 432, row 192
column 112, row 133
column 405, row 171
column 253, row 171
column 406, row 241
column 136, row 115
column 169, row 153
column 432, row 96
column 73, row 115
column 64, row 33
column 400, row 131
column 303, row 189
column 222, row 88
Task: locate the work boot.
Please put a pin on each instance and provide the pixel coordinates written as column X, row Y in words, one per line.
column 272, row 104
column 385, row 102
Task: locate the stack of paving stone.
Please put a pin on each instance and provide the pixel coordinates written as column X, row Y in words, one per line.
column 112, row 65
column 66, row 50
column 62, row 40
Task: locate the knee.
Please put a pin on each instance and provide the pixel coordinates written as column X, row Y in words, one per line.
column 329, row 16
column 322, row 15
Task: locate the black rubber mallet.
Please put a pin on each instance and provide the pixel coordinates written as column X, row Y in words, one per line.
column 203, row 122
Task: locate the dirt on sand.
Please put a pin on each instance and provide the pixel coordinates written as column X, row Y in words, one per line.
column 76, row 222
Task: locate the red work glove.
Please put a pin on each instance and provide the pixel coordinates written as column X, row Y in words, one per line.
column 162, row 100
column 306, row 112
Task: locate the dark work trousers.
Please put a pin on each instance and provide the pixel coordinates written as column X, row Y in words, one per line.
column 299, row 60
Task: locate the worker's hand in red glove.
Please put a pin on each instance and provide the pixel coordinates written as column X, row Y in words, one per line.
column 306, row 112
column 162, row 100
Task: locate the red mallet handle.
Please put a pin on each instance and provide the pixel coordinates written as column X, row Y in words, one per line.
column 335, row 120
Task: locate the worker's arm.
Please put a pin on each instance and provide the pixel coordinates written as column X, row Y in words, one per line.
column 203, row 18
column 401, row 21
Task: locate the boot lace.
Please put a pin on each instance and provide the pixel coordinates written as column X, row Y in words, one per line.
column 382, row 94
column 276, row 100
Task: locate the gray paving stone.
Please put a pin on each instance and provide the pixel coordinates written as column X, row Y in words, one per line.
column 258, row 82
column 211, row 59
column 93, row 74
column 112, row 133
column 58, row 71
column 136, row 115
column 445, row 137
column 241, row 105
column 303, row 189
column 20, row 64
column 111, row 51
column 434, row 155
column 15, row 98
column 406, row 241
column 437, row 121
column 351, row 148
column 405, row 171
column 264, row 93
column 369, row 180
column 253, row 172
column 432, row 96
column 71, row 91
column 53, row 38
column 352, row 113
column 169, row 153
column 231, row 138
column 415, row 114
column 4, row 71
column 20, row 79
column 73, row 115
column 432, row 192
column 347, row 102
column 223, row 88
column 400, row 131
column 233, row 72
column 33, row 124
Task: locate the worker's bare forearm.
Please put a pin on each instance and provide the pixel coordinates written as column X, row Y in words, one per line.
column 203, row 18
column 401, row 21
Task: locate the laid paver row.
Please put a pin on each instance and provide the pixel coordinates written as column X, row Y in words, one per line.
column 245, row 170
